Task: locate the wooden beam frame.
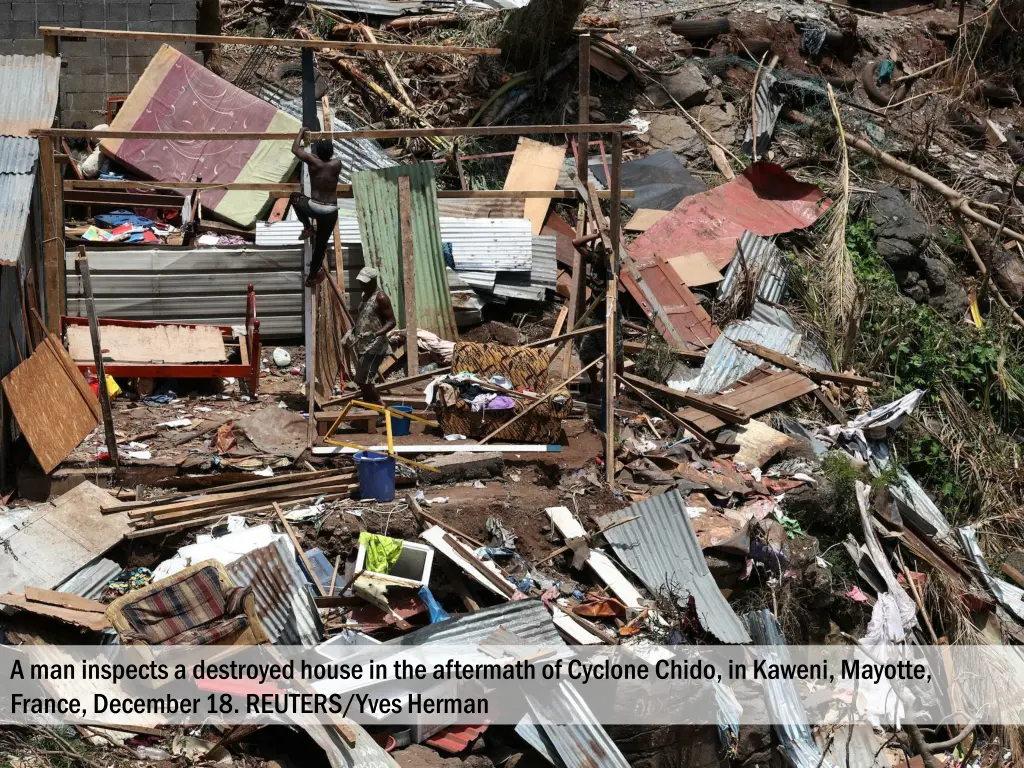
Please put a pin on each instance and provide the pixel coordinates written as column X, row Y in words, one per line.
column 74, row 33
column 610, row 372
column 285, row 188
column 383, row 133
column 52, row 197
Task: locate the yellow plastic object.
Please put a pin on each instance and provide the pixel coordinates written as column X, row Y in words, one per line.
column 387, row 413
column 112, row 389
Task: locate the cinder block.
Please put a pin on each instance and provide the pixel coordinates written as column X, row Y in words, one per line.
column 26, row 47
column 184, row 27
column 117, row 14
column 137, row 64
column 161, row 12
column 138, row 11
column 71, row 14
column 116, row 84
column 23, row 30
column 112, row 48
column 88, row 102
column 89, row 65
column 94, row 12
column 185, row 10
column 160, row 26
column 23, row 11
column 146, row 48
column 6, row 13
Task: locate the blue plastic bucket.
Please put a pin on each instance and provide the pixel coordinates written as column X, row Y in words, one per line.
column 376, row 473
column 399, row 425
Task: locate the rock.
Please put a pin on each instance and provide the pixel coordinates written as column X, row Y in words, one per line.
column 672, row 132
column 935, row 272
column 1008, row 272
column 419, row 756
column 953, row 302
column 901, row 233
column 687, row 86
column 477, row 761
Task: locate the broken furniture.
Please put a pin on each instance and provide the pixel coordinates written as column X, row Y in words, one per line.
column 198, row 351
column 199, row 605
column 527, row 370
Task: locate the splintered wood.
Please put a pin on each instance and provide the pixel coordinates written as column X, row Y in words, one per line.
column 52, row 402
column 535, row 165
column 162, row 344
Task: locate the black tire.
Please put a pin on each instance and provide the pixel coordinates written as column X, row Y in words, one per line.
column 999, row 96
column 842, row 83
column 1015, row 145
column 757, row 48
column 867, row 78
column 697, row 30
column 833, row 39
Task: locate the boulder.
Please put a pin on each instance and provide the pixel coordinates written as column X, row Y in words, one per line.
column 901, row 233
column 688, row 86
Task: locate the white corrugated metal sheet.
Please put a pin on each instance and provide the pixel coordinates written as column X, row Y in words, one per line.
column 761, row 257
column 283, row 601
column 663, row 551
column 28, row 93
column 90, row 581
column 494, row 245
column 544, row 271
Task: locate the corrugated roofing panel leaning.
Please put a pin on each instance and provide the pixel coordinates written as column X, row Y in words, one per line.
column 28, row 93
column 662, row 550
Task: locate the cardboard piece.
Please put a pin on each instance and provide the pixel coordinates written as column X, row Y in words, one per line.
column 535, row 165
column 643, row 219
column 695, row 269
column 162, row 344
column 52, row 402
column 88, row 619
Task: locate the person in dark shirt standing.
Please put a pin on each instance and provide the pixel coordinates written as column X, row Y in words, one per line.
column 370, row 335
column 322, row 207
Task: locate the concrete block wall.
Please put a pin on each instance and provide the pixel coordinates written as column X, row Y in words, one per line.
column 95, row 69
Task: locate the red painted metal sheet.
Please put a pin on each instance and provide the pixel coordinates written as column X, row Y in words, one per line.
column 667, row 299
column 456, row 738
column 764, row 200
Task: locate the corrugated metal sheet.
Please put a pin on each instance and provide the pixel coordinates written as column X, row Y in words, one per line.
column 761, row 257
column 1010, row 596
column 662, row 550
column 28, row 93
column 585, row 744
column 376, row 194
column 482, row 280
column 493, row 245
column 726, row 363
column 15, row 204
column 386, row 8
column 90, row 580
column 509, row 287
column 202, row 285
column 283, row 601
column 784, row 705
column 764, row 199
column 811, row 351
column 481, row 208
column 18, row 155
column 544, row 271
column 528, row 620
column 768, row 107
column 355, row 154
column 914, row 503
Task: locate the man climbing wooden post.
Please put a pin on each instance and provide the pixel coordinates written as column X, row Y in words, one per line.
column 322, row 204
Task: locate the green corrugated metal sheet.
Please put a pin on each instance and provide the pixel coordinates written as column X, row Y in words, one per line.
column 376, row 194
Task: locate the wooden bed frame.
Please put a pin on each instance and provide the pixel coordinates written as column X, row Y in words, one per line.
column 247, row 370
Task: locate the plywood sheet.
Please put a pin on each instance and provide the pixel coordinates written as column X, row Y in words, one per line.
column 695, row 269
column 535, row 165
column 162, row 344
column 643, row 219
column 44, row 544
column 52, row 402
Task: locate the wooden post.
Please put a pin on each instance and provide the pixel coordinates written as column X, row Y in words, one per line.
column 583, row 140
column 97, row 352
column 412, row 353
column 311, row 433
column 53, row 231
column 615, row 233
column 328, row 127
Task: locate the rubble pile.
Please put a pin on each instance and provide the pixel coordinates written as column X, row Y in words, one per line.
column 742, row 367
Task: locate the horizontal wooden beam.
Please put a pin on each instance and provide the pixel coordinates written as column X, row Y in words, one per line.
column 384, row 133
column 78, row 186
column 74, row 33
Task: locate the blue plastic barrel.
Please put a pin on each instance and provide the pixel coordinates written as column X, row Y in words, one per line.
column 376, row 473
column 399, row 425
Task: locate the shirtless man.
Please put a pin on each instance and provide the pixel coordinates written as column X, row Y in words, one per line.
column 324, row 170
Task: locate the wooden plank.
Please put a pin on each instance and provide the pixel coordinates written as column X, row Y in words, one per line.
column 674, row 418
column 51, row 408
column 583, row 116
column 53, row 232
column 763, row 395
column 611, row 310
column 535, row 165
column 457, row 447
column 412, row 350
column 63, row 600
column 298, row 549
column 163, row 343
column 726, row 413
column 388, row 133
column 785, row 361
column 73, row 33
column 97, row 356
column 563, row 313
column 636, row 347
column 96, row 622
column 644, row 219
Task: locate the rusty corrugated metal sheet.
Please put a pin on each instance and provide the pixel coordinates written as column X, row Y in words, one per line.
column 661, row 548
column 764, row 199
column 282, row 599
column 664, row 299
column 376, row 194
column 28, row 93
